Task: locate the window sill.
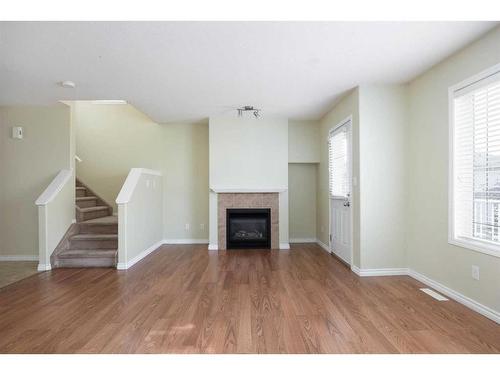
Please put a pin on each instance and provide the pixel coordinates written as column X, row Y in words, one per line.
column 475, row 245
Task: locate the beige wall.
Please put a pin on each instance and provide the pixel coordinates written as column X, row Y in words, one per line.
column 303, row 142
column 27, row 167
column 347, row 106
column 428, row 250
column 302, row 201
column 112, row 139
column 383, row 129
column 186, row 181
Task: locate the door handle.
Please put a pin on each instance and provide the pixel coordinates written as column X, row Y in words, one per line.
column 347, row 203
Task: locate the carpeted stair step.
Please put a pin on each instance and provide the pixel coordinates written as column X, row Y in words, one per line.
column 87, row 258
column 84, row 202
column 81, row 191
column 98, row 227
column 94, row 241
column 88, row 253
column 94, row 212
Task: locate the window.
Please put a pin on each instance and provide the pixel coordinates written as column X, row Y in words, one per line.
column 338, row 162
column 475, row 163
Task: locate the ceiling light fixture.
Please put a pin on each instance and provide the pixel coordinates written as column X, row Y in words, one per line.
column 256, row 111
column 68, row 84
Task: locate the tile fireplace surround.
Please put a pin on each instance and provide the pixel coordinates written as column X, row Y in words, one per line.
column 247, row 200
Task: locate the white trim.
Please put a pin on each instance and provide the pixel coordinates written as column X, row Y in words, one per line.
column 303, row 240
column 18, row 258
column 471, row 244
column 460, row 298
column 475, row 78
column 185, row 241
column 476, row 245
column 131, row 182
column 219, row 189
column 379, row 271
column 355, row 269
column 347, row 121
column 213, row 246
column 43, row 267
column 54, row 187
column 137, row 258
column 323, row 246
column 122, row 234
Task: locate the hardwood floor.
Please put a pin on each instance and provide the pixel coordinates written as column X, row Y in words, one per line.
column 184, row 299
column 11, row 272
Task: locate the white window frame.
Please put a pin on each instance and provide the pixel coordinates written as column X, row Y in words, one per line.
column 482, row 246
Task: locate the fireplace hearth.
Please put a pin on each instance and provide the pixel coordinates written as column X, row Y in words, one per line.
column 248, row 228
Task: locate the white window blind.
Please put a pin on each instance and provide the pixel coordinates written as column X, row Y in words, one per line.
column 476, row 161
column 337, row 163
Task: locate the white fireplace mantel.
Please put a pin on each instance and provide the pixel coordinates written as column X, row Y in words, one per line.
column 220, row 189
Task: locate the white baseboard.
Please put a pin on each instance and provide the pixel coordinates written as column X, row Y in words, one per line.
column 453, row 294
column 323, row 246
column 355, row 269
column 145, row 253
column 18, row 258
column 44, row 267
column 212, row 246
column 303, row 240
column 184, row 241
column 379, row 271
column 460, row 298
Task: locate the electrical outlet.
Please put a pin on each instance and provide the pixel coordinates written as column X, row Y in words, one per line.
column 475, row 272
column 202, row 226
column 187, row 226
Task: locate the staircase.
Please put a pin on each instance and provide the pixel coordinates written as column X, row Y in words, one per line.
column 93, row 240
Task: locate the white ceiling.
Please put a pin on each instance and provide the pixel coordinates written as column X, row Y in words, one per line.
column 190, row 70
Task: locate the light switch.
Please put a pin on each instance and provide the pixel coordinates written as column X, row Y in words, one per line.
column 17, row 132
column 475, row 272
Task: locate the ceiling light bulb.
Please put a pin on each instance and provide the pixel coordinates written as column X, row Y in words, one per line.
column 68, row 84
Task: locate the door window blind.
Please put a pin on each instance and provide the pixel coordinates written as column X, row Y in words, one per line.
column 476, row 161
column 337, row 163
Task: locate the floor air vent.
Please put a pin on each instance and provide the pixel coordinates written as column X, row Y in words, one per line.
column 434, row 294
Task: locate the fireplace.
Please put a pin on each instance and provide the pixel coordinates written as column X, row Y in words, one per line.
column 248, row 228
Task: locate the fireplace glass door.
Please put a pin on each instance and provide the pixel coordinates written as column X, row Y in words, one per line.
column 248, row 228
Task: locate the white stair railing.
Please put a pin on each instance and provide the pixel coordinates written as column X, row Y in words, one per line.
column 56, row 212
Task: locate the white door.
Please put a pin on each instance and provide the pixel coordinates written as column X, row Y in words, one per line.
column 339, row 159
